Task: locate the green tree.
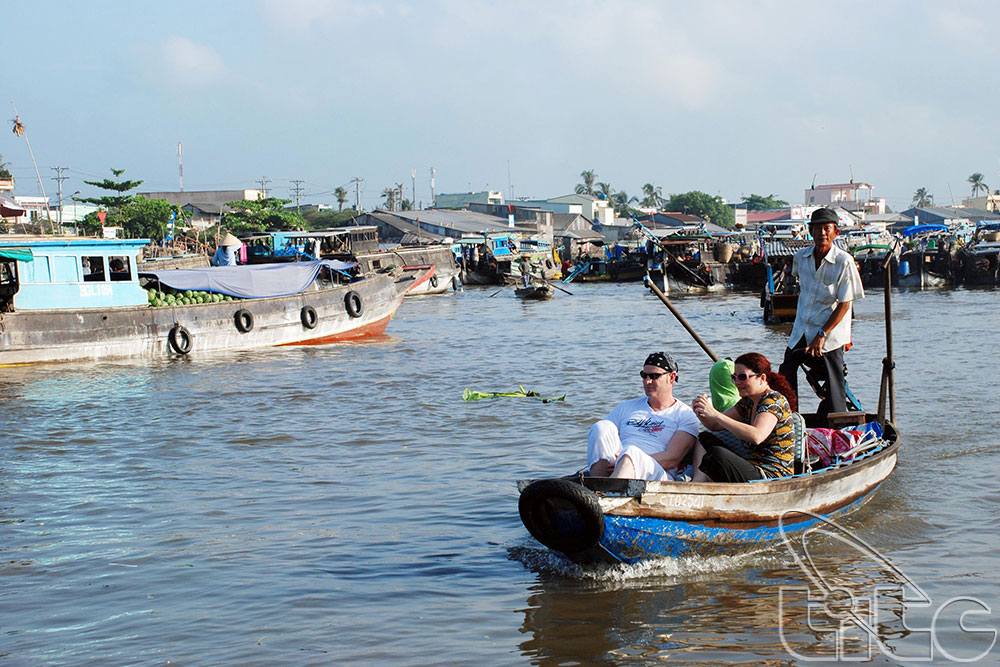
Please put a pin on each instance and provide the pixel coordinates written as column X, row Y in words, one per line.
column 112, row 203
column 587, row 187
column 652, row 196
column 149, row 218
column 327, row 219
column 341, row 194
column 976, row 180
column 763, row 202
column 703, row 205
column 389, row 195
column 922, row 198
column 4, row 171
column 259, row 215
column 622, row 203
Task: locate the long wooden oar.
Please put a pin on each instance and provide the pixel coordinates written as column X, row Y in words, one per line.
column 887, row 385
column 498, row 291
column 556, row 286
column 680, row 318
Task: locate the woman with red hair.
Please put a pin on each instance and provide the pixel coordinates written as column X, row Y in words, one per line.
column 762, row 419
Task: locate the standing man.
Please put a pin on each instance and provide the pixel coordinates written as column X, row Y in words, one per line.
column 828, row 284
column 645, row 438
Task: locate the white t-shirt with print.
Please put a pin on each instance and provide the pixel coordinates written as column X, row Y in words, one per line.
column 651, row 430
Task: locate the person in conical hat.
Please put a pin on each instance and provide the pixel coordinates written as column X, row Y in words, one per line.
column 226, row 253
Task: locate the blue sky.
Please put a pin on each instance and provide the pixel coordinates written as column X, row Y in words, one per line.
column 730, row 98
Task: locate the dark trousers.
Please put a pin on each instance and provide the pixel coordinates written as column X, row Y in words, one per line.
column 828, row 368
column 722, row 465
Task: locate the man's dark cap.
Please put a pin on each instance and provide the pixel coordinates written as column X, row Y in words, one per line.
column 662, row 360
column 824, row 215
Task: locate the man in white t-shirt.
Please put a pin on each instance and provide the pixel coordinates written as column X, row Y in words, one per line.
column 645, row 438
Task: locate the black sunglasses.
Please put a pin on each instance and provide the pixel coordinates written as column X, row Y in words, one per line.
column 654, row 376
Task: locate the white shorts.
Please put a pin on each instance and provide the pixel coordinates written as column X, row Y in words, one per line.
column 603, row 442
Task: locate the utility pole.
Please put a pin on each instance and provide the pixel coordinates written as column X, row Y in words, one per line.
column 180, row 165
column 264, row 180
column 399, row 202
column 357, row 193
column 432, row 187
column 59, row 178
column 298, row 193
column 413, row 190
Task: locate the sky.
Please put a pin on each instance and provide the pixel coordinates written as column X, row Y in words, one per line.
column 727, row 97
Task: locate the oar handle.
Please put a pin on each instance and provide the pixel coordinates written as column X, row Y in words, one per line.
column 680, row 318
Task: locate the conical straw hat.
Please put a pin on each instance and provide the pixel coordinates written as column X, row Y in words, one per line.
column 229, row 239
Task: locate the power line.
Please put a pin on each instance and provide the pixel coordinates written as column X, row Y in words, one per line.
column 298, row 193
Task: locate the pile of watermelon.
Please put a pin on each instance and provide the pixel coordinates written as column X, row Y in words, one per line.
column 171, row 297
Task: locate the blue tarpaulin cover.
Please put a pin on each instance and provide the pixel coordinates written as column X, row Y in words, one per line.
column 254, row 281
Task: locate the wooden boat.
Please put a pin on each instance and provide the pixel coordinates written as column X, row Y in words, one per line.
column 51, row 310
column 361, row 245
column 980, row 259
column 870, row 259
column 599, row 519
column 592, row 519
column 926, row 261
column 536, row 292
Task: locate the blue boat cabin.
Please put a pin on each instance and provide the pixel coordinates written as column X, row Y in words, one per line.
column 69, row 273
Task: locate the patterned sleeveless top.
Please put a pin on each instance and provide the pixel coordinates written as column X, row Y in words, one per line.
column 775, row 456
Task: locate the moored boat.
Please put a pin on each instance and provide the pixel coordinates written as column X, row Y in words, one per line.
column 64, row 300
column 980, row 258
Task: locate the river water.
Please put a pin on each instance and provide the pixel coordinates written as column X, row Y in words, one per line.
column 312, row 505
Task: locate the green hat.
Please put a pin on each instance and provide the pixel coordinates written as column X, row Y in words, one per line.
column 724, row 392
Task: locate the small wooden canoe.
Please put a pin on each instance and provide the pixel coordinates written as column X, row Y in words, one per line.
column 599, row 519
column 535, row 292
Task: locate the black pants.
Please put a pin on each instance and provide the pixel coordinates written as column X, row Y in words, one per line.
column 829, row 368
column 722, row 465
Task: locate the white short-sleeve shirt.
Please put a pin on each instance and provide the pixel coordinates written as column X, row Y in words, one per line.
column 651, row 430
column 820, row 290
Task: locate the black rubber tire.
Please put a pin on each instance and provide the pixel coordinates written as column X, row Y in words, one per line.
column 243, row 319
column 180, row 340
column 454, row 284
column 309, row 317
column 562, row 514
column 434, row 281
column 353, row 303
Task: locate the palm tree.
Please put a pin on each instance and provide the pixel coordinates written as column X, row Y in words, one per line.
column 587, row 187
column 653, row 196
column 605, row 189
column 341, row 195
column 621, row 200
column 977, row 184
column 389, row 195
column 923, row 198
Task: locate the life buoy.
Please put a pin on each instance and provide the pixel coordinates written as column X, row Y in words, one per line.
column 562, row 514
column 309, row 317
column 243, row 319
column 434, row 281
column 180, row 339
column 352, row 301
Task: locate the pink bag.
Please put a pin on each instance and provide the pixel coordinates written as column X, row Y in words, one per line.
column 830, row 444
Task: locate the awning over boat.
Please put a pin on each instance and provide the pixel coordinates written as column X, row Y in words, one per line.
column 254, row 281
column 20, row 254
column 919, row 229
column 10, row 208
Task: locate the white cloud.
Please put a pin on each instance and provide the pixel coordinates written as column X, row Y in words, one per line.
column 305, row 16
column 184, row 61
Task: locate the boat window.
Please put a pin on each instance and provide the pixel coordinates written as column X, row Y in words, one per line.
column 376, row 264
column 120, row 267
column 93, row 268
column 37, row 271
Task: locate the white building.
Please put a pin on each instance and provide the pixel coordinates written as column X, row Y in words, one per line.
column 854, row 197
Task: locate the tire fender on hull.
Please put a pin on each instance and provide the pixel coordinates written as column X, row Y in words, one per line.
column 243, row 319
column 562, row 514
column 309, row 317
column 180, row 339
column 353, row 304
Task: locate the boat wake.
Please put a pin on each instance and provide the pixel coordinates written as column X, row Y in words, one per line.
column 551, row 563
